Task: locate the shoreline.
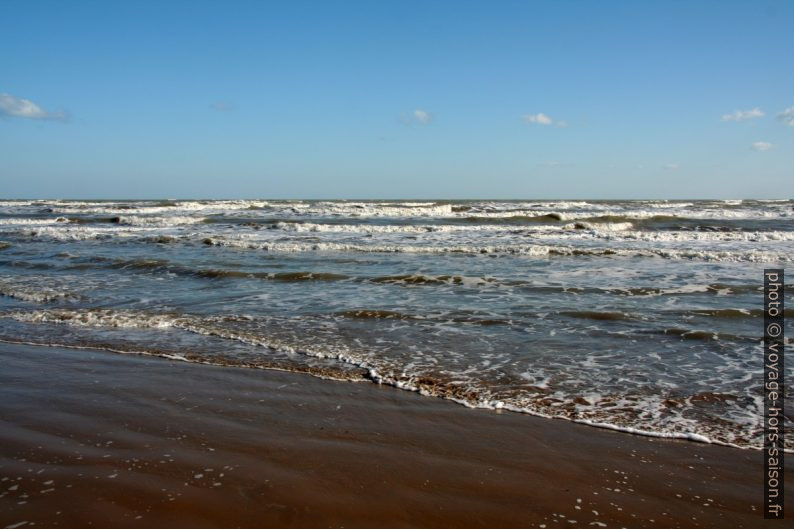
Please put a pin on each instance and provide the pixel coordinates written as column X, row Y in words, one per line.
column 368, row 378
column 119, row 439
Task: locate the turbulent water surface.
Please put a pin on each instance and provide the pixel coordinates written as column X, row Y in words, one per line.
column 643, row 316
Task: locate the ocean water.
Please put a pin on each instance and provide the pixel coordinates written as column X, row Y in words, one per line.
column 643, row 316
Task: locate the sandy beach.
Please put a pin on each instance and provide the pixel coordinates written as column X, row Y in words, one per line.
column 92, row 438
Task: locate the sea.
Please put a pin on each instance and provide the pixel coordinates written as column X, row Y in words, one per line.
column 641, row 316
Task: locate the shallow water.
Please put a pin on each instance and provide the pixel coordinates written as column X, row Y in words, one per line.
column 643, row 315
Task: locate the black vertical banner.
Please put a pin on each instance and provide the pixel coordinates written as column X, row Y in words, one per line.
column 774, row 393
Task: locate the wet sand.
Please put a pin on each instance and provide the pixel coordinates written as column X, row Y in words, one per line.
column 96, row 439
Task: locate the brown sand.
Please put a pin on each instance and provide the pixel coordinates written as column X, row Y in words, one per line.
column 95, row 439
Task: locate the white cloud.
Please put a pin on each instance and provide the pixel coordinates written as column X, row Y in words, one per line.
column 418, row 116
column 787, row 116
column 540, row 118
column 761, row 146
column 11, row 106
column 744, row 115
column 672, row 166
column 422, row 116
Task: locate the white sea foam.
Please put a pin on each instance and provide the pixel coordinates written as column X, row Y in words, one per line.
column 29, row 221
column 100, row 318
column 163, row 221
column 218, row 206
column 536, row 250
column 600, row 227
column 30, row 291
column 394, row 228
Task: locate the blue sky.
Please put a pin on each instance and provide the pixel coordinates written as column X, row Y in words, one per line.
column 397, row 99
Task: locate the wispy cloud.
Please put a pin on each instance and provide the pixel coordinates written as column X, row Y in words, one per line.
column 417, row 117
column 540, row 118
column 17, row 107
column 543, row 119
column 672, row 166
column 744, row 115
column 787, row 116
column 222, row 106
column 761, row 146
column 422, row 116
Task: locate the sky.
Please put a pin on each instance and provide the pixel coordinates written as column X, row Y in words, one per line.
column 397, row 99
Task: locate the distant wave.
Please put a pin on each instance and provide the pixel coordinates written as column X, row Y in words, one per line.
column 537, row 250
